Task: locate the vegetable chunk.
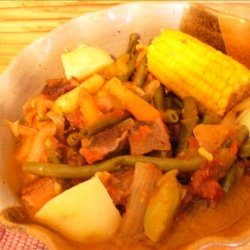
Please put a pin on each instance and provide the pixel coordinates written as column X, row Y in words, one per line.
column 162, row 206
column 142, row 110
column 82, row 213
column 70, row 101
column 89, row 109
column 189, row 67
column 84, row 61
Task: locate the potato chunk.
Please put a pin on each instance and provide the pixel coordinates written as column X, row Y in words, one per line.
column 82, row 213
column 84, row 61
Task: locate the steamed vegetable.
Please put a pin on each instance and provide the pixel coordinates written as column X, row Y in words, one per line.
column 159, row 98
column 152, row 150
column 189, row 67
column 133, row 40
column 188, row 122
column 141, row 109
column 233, row 175
column 163, row 206
column 113, row 164
column 83, row 212
column 245, row 150
column 84, row 61
column 140, row 74
column 171, row 116
column 89, row 109
column 244, row 118
column 118, row 68
column 69, row 101
column 212, row 136
column 104, row 123
column 145, row 178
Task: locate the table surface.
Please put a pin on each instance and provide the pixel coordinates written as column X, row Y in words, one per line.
column 22, row 22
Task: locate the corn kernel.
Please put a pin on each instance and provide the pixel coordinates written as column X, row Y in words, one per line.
column 189, row 67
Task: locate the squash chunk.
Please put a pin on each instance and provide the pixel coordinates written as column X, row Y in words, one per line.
column 142, row 110
column 163, row 206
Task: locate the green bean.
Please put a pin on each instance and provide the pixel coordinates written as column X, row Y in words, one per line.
column 178, row 102
column 189, row 121
column 189, row 107
column 66, row 171
column 131, row 69
column 171, row 116
column 233, row 174
column 73, row 139
column 225, row 154
column 159, row 98
column 166, row 164
column 211, row 119
column 168, row 102
column 102, row 124
column 242, row 135
column 113, row 164
column 140, row 74
column 133, row 40
column 172, row 101
column 245, row 150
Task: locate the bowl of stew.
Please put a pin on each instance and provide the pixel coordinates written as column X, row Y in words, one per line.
column 129, row 128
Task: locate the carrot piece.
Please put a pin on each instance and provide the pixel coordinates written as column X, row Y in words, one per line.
column 88, row 107
column 141, row 109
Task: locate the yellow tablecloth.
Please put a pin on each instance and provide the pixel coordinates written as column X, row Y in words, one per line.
column 22, row 22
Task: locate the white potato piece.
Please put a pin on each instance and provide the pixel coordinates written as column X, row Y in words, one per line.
column 84, row 61
column 84, row 212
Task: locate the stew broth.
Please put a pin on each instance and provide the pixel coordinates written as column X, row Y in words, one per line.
column 229, row 218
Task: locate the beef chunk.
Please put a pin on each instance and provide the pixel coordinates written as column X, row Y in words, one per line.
column 38, row 192
column 118, row 185
column 107, row 142
column 149, row 136
column 57, row 87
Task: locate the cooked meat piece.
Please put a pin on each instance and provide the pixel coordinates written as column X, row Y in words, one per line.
column 204, row 184
column 37, row 193
column 149, row 136
column 107, row 142
column 57, row 87
column 118, row 185
column 73, row 157
column 75, row 119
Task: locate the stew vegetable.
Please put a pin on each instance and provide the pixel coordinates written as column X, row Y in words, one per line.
column 121, row 149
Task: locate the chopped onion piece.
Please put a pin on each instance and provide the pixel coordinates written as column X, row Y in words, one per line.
column 244, row 118
column 145, row 178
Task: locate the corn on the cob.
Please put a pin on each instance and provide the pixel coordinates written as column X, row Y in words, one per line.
column 189, row 67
